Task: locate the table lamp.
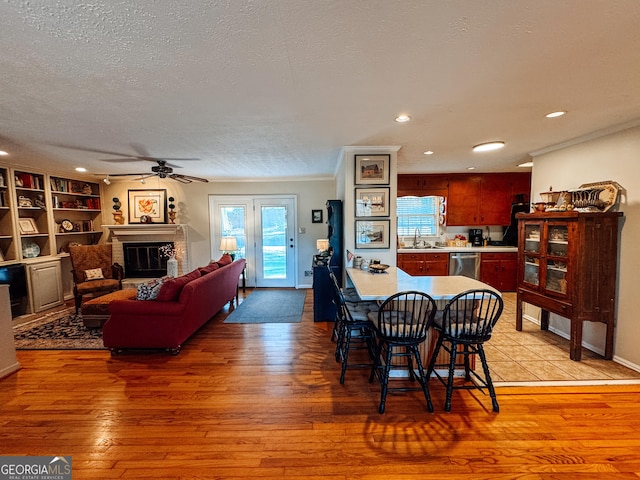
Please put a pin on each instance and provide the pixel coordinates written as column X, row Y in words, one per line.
column 322, row 244
column 229, row 245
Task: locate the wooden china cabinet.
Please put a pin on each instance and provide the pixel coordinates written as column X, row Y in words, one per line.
column 567, row 265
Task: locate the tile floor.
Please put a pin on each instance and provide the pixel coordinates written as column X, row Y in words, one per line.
column 533, row 355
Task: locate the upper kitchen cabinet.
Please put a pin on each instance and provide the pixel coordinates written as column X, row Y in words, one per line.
column 423, row 185
column 484, row 199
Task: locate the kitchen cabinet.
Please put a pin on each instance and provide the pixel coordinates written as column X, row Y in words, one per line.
column 484, row 199
column 499, row 270
column 424, row 264
column 423, row 185
column 567, row 265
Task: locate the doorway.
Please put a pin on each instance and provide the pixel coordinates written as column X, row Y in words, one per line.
column 264, row 228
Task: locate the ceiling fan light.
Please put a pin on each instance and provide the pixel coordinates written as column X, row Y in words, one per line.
column 488, row 146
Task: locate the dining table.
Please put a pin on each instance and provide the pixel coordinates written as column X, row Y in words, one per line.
column 378, row 286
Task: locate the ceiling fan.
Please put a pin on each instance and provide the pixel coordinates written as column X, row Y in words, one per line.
column 163, row 169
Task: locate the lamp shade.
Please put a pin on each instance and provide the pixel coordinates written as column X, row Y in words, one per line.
column 322, row 244
column 228, row 244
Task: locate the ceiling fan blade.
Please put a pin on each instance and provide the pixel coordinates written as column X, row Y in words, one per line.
column 126, row 174
column 189, row 177
column 179, row 178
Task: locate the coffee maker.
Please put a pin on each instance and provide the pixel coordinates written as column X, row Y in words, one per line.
column 475, row 237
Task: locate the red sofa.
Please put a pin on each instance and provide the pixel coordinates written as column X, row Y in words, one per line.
column 183, row 305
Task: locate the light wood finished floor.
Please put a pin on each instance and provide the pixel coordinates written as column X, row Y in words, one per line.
column 263, row 401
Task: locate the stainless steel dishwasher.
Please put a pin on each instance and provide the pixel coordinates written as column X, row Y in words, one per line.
column 465, row 264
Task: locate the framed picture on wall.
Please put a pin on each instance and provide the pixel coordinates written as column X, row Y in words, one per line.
column 372, row 233
column 372, row 202
column 372, row 169
column 147, row 206
column 316, row 216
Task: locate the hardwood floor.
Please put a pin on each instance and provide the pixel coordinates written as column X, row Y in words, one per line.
column 263, row 401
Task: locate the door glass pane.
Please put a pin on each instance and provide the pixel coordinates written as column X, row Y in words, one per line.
column 274, row 241
column 232, row 220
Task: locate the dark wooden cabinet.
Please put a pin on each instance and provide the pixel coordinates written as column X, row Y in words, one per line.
column 499, row 270
column 567, row 265
column 484, row 199
column 423, row 185
column 424, row 264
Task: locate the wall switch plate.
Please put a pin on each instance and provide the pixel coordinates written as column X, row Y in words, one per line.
column 308, row 273
column 302, row 230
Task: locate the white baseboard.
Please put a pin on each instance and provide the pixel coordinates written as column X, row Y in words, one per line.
column 8, row 370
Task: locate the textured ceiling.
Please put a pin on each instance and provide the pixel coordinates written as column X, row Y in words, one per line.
column 276, row 88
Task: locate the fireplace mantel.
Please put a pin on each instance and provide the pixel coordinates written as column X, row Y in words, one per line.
column 162, row 229
column 159, row 232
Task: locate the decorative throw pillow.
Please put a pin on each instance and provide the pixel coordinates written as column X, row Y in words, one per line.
column 209, row 268
column 224, row 260
column 149, row 290
column 93, row 274
column 172, row 287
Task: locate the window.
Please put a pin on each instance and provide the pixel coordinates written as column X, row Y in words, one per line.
column 417, row 213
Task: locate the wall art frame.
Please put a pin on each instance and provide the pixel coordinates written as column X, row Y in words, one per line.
column 372, row 202
column 148, row 206
column 372, row 169
column 373, row 233
column 316, row 216
column 27, row 226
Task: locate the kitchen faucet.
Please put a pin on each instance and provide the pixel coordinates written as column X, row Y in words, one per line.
column 416, row 235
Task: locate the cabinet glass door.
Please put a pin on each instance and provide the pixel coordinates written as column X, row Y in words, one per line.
column 532, row 254
column 557, row 248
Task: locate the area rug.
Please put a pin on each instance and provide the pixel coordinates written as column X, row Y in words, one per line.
column 270, row 306
column 61, row 330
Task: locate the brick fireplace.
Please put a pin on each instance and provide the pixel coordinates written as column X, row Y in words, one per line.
column 119, row 235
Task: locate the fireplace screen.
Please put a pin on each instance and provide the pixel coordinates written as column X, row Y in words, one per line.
column 143, row 260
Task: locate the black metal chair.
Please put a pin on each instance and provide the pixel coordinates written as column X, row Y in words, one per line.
column 467, row 321
column 353, row 330
column 402, row 324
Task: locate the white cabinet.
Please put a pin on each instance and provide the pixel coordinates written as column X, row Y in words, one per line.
column 8, row 361
column 45, row 285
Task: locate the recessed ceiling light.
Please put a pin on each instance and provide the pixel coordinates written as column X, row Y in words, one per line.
column 428, row 152
column 81, row 169
column 526, row 164
column 403, row 118
column 555, row 114
column 488, row 146
column 2, row 152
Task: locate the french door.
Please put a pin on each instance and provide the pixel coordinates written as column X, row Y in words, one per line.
column 264, row 228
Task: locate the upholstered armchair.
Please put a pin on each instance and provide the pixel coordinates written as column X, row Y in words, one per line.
column 94, row 271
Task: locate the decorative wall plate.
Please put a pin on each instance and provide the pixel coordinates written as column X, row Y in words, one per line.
column 30, row 250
